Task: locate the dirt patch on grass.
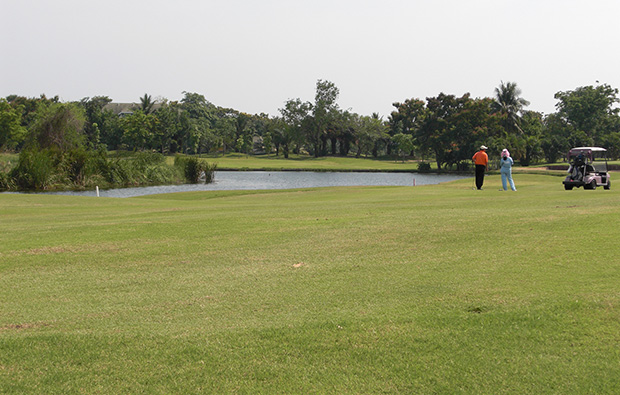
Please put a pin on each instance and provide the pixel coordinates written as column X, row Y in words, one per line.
column 48, row 250
column 106, row 247
column 29, row 325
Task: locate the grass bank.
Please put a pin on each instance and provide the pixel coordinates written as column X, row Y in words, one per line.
column 433, row 289
column 235, row 161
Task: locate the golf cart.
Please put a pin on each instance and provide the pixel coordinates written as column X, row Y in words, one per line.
column 588, row 168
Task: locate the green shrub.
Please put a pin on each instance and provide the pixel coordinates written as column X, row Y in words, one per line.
column 35, row 169
column 195, row 169
column 160, row 174
column 122, row 154
column 99, row 169
column 143, row 159
column 6, row 182
column 424, row 166
column 209, row 170
column 80, row 168
column 463, row 166
column 143, row 168
column 75, row 165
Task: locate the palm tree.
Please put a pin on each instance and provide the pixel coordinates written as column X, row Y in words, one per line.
column 146, row 104
column 508, row 103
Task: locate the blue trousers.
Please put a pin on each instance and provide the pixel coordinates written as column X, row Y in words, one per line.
column 507, row 176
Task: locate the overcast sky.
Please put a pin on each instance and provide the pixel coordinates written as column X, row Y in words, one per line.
column 253, row 55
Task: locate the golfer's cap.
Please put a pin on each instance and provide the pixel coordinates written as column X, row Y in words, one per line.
column 483, row 147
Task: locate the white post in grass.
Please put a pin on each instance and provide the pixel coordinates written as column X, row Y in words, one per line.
column 413, row 181
column 97, row 189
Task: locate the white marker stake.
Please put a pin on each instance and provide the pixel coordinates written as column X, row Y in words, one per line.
column 414, row 182
column 97, row 189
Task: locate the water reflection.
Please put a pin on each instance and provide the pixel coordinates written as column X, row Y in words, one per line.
column 244, row 180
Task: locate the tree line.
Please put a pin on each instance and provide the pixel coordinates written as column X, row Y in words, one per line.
column 446, row 128
column 449, row 128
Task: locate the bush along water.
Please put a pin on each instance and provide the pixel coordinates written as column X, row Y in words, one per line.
column 195, row 169
column 79, row 168
column 424, row 167
column 34, row 170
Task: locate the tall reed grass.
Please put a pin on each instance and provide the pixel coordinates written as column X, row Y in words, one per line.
column 52, row 169
column 196, row 169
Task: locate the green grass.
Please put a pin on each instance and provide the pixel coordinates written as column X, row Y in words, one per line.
column 329, row 163
column 432, row 289
column 304, row 162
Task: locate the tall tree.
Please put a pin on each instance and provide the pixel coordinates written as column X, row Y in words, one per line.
column 58, row 125
column 225, row 128
column 296, row 115
column 96, row 118
column 197, row 106
column 472, row 125
column 371, row 130
column 407, row 118
column 12, row 133
column 435, row 132
column 553, row 141
column 590, row 110
column 197, row 123
column 277, row 128
column 29, row 106
column 323, row 112
column 139, row 131
column 167, row 126
column 509, row 103
column 341, row 131
column 527, row 146
column 404, row 144
column 409, row 114
column 243, row 131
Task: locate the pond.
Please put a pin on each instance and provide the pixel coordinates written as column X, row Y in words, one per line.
column 253, row 180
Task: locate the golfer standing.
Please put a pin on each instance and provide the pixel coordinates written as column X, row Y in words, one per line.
column 481, row 160
column 506, row 163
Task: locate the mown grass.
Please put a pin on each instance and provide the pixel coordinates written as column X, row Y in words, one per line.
column 433, row 289
column 236, row 161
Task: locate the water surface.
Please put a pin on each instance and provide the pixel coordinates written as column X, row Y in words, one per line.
column 253, row 180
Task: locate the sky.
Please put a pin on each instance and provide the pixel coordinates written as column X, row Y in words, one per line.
column 254, row 55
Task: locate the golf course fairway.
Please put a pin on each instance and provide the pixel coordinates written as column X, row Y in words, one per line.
column 412, row 290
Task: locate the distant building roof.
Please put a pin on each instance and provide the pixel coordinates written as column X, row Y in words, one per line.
column 126, row 108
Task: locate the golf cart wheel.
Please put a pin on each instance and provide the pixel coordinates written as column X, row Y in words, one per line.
column 608, row 186
column 568, row 187
column 593, row 184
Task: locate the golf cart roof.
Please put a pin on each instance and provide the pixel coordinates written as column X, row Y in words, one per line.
column 593, row 149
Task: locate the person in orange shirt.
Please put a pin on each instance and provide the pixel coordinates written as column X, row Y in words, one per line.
column 481, row 160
